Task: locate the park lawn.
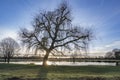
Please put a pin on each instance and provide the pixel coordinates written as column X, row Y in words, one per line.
column 29, row 72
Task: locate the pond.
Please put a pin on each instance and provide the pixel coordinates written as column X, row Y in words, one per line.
column 67, row 63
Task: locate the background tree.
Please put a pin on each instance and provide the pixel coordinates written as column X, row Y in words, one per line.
column 116, row 53
column 74, row 56
column 109, row 55
column 9, row 47
column 52, row 30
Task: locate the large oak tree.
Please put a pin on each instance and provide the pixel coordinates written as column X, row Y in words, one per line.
column 52, row 30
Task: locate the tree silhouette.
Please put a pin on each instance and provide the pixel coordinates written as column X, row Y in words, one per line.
column 9, row 47
column 52, row 30
column 109, row 55
column 116, row 53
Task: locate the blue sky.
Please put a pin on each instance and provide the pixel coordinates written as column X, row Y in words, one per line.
column 102, row 15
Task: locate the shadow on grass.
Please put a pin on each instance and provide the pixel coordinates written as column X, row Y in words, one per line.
column 81, row 78
column 43, row 71
column 14, row 78
column 42, row 75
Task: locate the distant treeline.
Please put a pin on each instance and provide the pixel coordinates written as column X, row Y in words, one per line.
column 63, row 59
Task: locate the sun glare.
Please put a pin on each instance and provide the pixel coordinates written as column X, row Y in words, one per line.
column 48, row 63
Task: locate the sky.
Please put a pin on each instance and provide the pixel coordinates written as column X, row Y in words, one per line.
column 103, row 16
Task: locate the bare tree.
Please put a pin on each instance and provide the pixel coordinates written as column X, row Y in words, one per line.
column 109, row 55
column 74, row 56
column 116, row 53
column 9, row 47
column 53, row 30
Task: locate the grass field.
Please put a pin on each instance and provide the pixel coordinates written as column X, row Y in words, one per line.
column 35, row 72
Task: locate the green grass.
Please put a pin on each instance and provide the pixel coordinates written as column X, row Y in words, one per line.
column 58, row 72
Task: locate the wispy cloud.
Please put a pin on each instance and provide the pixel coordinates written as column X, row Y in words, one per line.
column 101, row 14
column 106, row 48
column 115, row 44
column 8, row 33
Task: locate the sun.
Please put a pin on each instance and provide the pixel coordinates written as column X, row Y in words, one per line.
column 48, row 63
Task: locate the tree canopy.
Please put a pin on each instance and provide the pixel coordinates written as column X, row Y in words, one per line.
column 9, row 47
column 52, row 30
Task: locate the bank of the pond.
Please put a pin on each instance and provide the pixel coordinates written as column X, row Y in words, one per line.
column 64, row 63
column 37, row 72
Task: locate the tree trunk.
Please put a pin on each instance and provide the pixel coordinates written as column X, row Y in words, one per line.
column 46, row 58
column 8, row 57
column 73, row 59
column 8, row 60
column 5, row 59
column 117, row 63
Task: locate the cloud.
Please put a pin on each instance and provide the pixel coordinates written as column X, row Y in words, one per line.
column 115, row 44
column 8, row 33
column 105, row 48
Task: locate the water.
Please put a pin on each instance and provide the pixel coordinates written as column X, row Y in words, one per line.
column 68, row 63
